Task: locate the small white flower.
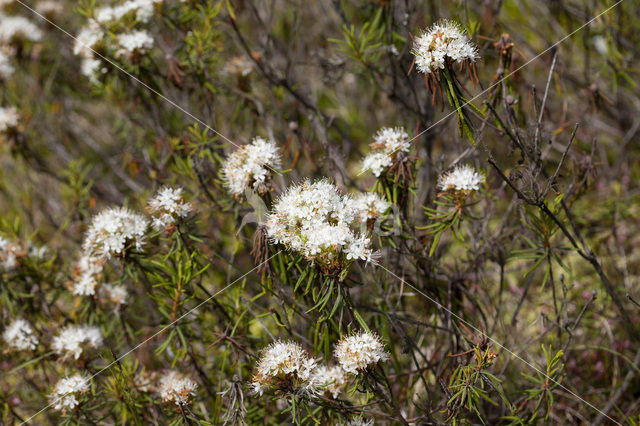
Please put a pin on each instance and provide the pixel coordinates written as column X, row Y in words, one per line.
column 87, row 39
column 13, row 28
column 49, row 7
column 328, row 379
column 369, row 206
column 360, row 421
column 444, row 41
column 9, row 118
column 359, row 351
column 143, row 9
column 387, row 144
column 117, row 294
column 134, row 42
column 6, row 69
column 72, row 340
column 10, row 253
column 87, row 274
column 92, row 68
column 67, row 391
column 461, row 178
column 250, row 166
column 113, row 230
column 283, row 360
column 167, row 206
column 20, row 335
column 175, row 387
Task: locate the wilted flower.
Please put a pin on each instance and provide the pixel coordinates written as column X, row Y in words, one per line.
column 73, row 338
column 385, row 148
column 315, row 219
column 113, row 230
column 359, row 351
column 18, row 28
column 329, row 379
column 461, row 178
column 250, row 167
column 445, row 42
column 175, row 387
column 146, row 381
column 20, row 335
column 134, row 42
column 283, row 365
column 168, row 206
column 67, row 391
column 9, row 118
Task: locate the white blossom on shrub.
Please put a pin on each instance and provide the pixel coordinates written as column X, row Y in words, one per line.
column 461, row 178
column 113, row 230
column 328, row 379
column 174, row 387
column 19, row 335
column 9, row 118
column 444, row 41
column 315, row 219
column 73, row 339
column 168, row 206
column 285, row 361
column 6, row 69
column 369, row 206
column 18, row 28
column 87, row 274
column 138, row 41
column 251, row 167
column 65, row 394
column 359, row 421
column 360, row 351
column 116, row 294
column 387, row 144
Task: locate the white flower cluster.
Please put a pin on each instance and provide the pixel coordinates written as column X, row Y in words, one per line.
column 87, row 274
column 93, row 33
column 461, row 178
column 72, row 340
column 18, row 28
column 283, row 360
column 20, row 335
column 443, row 42
column 134, row 42
column 113, row 230
column 67, row 391
column 369, row 206
column 9, row 118
column 168, row 206
column 250, row 166
column 328, row 379
column 359, row 421
column 116, row 294
column 6, row 69
column 10, row 252
column 387, row 144
column 175, row 387
column 359, row 351
column 315, row 219
column 49, row 8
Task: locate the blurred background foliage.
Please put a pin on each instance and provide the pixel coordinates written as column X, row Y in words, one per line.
column 319, row 78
